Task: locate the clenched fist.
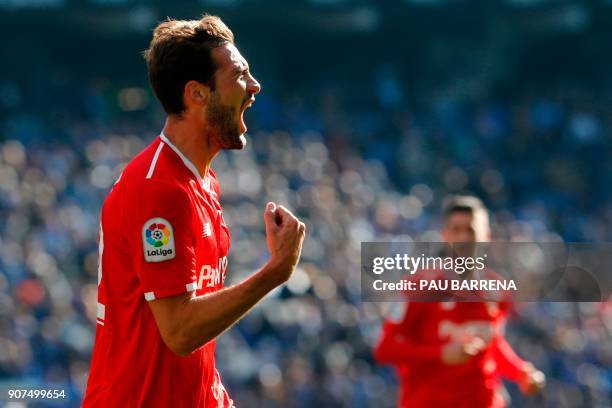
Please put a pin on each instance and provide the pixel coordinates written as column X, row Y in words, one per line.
column 285, row 235
column 533, row 380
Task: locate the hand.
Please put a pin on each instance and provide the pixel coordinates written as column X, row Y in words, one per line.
column 285, row 235
column 459, row 352
column 533, row 381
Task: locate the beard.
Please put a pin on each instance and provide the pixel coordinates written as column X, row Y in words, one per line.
column 223, row 122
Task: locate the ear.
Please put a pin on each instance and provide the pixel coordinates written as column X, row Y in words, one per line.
column 195, row 94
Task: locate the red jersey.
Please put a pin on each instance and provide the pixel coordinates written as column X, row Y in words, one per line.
column 414, row 346
column 162, row 233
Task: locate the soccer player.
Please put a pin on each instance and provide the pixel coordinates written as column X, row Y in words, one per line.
column 452, row 354
column 163, row 243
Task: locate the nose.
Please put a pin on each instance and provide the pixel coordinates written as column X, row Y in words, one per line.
column 253, row 87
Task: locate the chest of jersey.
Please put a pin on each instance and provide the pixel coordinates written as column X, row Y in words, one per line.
column 211, row 241
column 460, row 321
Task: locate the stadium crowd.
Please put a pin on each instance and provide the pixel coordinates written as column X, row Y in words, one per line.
column 542, row 164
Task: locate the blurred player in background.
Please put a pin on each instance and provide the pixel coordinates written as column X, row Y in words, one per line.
column 454, row 354
column 163, row 242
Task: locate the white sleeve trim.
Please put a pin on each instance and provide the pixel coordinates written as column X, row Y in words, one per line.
column 101, row 311
column 190, row 287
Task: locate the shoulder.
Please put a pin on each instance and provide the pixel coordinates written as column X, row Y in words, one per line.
column 139, row 166
column 147, row 203
column 156, row 162
column 157, row 193
column 152, row 172
column 142, row 195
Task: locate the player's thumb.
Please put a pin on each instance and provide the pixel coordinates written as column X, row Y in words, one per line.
column 269, row 217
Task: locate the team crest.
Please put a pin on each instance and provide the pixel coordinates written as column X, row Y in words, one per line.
column 158, row 240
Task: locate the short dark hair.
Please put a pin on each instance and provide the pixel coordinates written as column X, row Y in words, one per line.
column 462, row 203
column 180, row 51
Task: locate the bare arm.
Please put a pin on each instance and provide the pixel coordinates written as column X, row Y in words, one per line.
column 186, row 322
column 511, row 366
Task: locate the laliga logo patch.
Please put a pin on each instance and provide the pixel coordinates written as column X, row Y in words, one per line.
column 158, row 240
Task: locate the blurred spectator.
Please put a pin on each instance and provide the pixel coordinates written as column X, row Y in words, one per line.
column 356, row 165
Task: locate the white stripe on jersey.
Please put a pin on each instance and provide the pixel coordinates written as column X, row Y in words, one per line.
column 155, row 157
column 205, row 181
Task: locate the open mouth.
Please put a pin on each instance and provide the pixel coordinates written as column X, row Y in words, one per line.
column 249, row 102
column 245, row 106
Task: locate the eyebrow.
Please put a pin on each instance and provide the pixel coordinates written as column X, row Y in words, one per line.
column 240, row 69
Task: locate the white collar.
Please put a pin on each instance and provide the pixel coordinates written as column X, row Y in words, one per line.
column 204, row 180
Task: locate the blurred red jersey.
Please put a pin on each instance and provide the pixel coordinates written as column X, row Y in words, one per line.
column 414, row 346
column 162, row 233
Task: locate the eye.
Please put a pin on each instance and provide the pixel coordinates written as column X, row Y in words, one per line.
column 243, row 73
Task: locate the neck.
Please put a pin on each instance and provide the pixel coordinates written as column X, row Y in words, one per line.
column 192, row 141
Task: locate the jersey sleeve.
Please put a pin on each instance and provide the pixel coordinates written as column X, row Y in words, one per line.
column 159, row 222
column 396, row 345
column 509, row 364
